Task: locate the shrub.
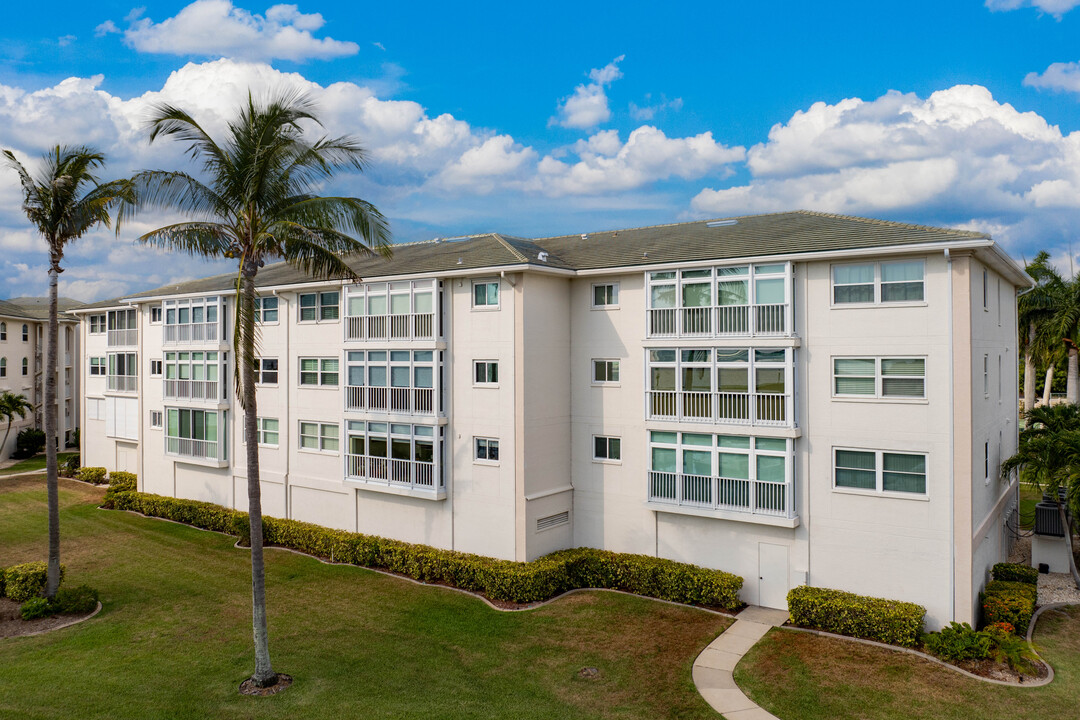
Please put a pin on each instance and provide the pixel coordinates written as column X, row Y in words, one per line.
column 28, row 443
column 26, row 581
column 959, row 642
column 95, row 475
column 1010, row 649
column 1009, row 602
column 35, row 608
column 887, row 621
column 2, row 582
column 1016, row 572
column 70, row 468
column 120, row 481
column 78, row 600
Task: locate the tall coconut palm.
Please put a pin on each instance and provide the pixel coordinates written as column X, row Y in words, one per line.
column 1066, row 319
column 10, row 406
column 256, row 201
column 64, row 200
column 1036, row 309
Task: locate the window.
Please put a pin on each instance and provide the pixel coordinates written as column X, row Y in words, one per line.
column 26, row 333
column 267, row 431
column 196, row 433
column 194, row 320
column 123, row 369
column 97, row 326
column 267, row 371
column 266, row 309
column 487, row 449
column 319, row 436
column 986, row 462
column 3, row 367
column 986, row 291
column 26, row 368
column 998, row 378
column 155, row 319
column 319, row 372
column 986, row 376
column 607, row 448
column 605, row 295
column 195, row 375
column 156, row 419
column 879, row 377
column 396, row 453
column 317, row 307
column 486, row 372
column 605, row 371
column 155, row 367
column 730, row 300
column 879, row 471
column 886, row 282
column 485, row 294
column 97, row 366
column 95, row 408
column 3, row 331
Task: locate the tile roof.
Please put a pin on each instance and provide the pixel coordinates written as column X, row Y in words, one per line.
column 36, row 308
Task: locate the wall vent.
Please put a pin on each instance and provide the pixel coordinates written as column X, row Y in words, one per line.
column 546, row 523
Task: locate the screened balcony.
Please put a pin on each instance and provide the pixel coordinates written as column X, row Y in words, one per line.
column 122, row 328
column 395, row 455
column 192, row 321
column 196, row 434
column 392, row 311
column 195, row 375
column 392, row 381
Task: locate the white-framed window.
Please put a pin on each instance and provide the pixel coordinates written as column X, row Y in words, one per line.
column 195, row 375
column 95, row 408
column 26, row 369
column 399, row 452
column 605, row 295
column 320, row 437
column 97, row 326
column 3, row 330
column 266, row 309
column 267, row 431
column 155, row 319
column 605, row 371
column 196, row 433
column 986, row 375
column 157, row 419
column 607, row 449
column 485, row 372
column 3, row 367
column 319, row 372
column 879, row 471
column 879, row 377
column 899, row 281
column 320, row 307
column 486, row 449
column 155, row 367
column 986, row 290
column 486, row 294
column 123, row 370
column 97, row 366
column 267, row 371
column 25, row 333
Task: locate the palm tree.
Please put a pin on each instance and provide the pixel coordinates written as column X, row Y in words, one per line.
column 64, row 200
column 257, row 202
column 1048, row 452
column 10, row 406
column 1066, row 319
column 1036, row 308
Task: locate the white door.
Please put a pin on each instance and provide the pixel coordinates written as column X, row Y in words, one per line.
column 772, row 575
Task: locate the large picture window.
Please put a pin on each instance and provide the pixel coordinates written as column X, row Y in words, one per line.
column 195, row 433
column 393, row 454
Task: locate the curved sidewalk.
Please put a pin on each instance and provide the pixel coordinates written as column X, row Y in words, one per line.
column 713, row 667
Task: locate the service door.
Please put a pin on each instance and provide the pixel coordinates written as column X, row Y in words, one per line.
column 772, row 575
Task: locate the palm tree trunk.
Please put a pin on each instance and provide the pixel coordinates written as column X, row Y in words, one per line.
column 1048, row 384
column 264, row 675
column 1073, row 376
column 52, row 582
column 1029, row 370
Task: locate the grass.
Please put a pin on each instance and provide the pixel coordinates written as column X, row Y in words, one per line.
column 174, row 637
column 798, row 675
column 1029, row 497
column 35, row 463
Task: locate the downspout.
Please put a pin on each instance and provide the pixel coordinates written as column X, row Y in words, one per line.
column 952, row 445
column 510, row 280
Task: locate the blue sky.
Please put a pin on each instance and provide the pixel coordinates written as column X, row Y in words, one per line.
column 574, row 117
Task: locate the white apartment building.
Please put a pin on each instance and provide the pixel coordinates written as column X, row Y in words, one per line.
column 795, row 398
column 24, row 322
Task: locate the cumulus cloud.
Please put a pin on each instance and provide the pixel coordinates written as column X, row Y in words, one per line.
column 646, row 113
column 219, row 28
column 1057, row 8
column 587, row 107
column 106, row 28
column 1063, row 77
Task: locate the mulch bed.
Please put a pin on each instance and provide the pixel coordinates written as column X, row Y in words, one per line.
column 11, row 625
column 248, row 687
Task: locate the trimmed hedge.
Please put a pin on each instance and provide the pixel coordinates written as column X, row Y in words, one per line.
column 26, row 581
column 79, row 600
column 1009, row 602
column 95, row 475
column 844, row 613
column 1016, row 572
column 120, row 481
column 501, row 580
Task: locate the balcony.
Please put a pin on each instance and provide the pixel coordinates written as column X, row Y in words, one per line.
column 413, row 326
column 123, row 338
column 193, row 390
column 736, row 408
column 390, row 472
column 122, row 383
column 417, row 401
column 198, row 449
column 190, row 333
column 753, row 497
column 773, row 320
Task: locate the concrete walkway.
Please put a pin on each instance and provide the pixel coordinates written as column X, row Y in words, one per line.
column 713, row 667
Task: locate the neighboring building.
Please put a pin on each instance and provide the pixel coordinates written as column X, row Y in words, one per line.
column 796, row 398
column 23, row 324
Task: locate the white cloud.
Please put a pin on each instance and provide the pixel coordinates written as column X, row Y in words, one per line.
column 497, row 162
column 1057, row 8
column 1058, row 76
column 646, row 113
column 65, row 40
column 219, row 28
column 106, row 28
column 587, row 107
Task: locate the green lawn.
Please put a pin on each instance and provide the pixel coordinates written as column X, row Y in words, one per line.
column 174, row 637
column 35, row 463
column 1029, row 497
column 798, row 675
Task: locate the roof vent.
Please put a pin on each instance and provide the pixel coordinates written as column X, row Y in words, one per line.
column 437, row 240
column 460, row 261
column 721, row 223
column 584, row 236
column 542, row 256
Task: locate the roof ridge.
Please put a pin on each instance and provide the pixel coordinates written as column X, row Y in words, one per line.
column 513, row 250
column 671, row 224
column 893, row 223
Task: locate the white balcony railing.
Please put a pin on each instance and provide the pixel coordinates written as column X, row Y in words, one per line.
column 388, row 471
column 418, row 401
column 413, row 326
column 192, row 390
column 725, row 321
column 123, row 383
column 717, row 493
column 761, row 409
column 191, row 333
column 201, row 449
column 123, row 338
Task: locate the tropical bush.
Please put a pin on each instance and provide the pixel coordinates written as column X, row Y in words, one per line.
column 77, row 600
column 958, row 642
column 95, row 475
column 1016, row 572
column 35, row 608
column 888, row 621
column 121, row 481
column 1009, row 602
column 22, row 582
column 70, row 467
column 28, row 443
